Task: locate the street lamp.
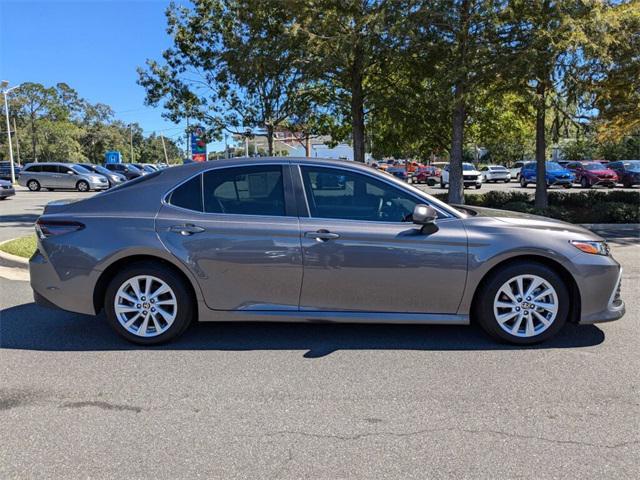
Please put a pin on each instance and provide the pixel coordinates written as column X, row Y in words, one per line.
column 3, row 85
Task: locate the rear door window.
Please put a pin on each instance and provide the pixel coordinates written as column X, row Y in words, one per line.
column 188, row 195
column 251, row 190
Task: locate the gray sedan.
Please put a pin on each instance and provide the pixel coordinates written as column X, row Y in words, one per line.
column 274, row 240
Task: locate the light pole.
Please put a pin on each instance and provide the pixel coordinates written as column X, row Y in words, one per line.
column 3, row 85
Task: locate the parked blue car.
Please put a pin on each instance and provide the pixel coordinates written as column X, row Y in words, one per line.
column 556, row 174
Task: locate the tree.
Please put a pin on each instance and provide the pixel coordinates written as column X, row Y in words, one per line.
column 344, row 43
column 462, row 38
column 616, row 81
column 32, row 101
column 548, row 40
column 232, row 67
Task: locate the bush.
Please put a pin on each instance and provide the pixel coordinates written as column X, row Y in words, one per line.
column 590, row 206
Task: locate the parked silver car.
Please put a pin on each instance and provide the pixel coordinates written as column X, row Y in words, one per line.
column 495, row 173
column 54, row 175
column 266, row 240
column 6, row 189
column 114, row 178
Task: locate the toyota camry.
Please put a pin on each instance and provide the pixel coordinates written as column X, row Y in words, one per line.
column 307, row 240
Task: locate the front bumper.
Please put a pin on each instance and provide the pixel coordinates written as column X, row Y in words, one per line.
column 600, row 283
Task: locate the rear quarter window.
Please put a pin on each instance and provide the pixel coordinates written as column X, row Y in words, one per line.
column 188, row 195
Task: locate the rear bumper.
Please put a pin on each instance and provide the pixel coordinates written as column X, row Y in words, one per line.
column 66, row 288
column 7, row 192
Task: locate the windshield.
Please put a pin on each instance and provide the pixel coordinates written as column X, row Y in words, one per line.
column 554, row 166
column 80, row 169
column 633, row 166
column 594, row 166
column 135, row 169
column 468, row 166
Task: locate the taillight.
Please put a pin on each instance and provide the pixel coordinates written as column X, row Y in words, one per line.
column 51, row 228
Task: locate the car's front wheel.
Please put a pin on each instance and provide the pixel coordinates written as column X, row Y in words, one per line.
column 33, row 185
column 82, row 186
column 523, row 303
column 523, row 182
column 148, row 304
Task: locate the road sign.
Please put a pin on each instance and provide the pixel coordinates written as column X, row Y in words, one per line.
column 112, row 156
column 198, row 145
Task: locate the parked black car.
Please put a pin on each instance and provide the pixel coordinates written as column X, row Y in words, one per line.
column 5, row 170
column 127, row 169
column 628, row 172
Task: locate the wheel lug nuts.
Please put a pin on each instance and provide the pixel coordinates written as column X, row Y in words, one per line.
column 138, row 306
column 144, row 312
column 526, row 312
column 517, row 309
column 153, row 301
column 153, row 309
column 528, row 299
column 143, row 299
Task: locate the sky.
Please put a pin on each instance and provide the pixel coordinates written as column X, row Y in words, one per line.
column 93, row 46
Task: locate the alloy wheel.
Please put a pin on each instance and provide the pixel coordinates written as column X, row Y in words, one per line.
column 145, row 306
column 525, row 306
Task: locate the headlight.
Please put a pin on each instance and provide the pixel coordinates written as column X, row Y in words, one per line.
column 591, row 246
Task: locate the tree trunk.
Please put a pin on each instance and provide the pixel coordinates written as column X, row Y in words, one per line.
column 456, row 182
column 541, row 181
column 357, row 109
column 307, row 145
column 270, row 139
column 33, row 138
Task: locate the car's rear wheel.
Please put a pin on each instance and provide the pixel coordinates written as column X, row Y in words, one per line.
column 523, row 303
column 523, row 182
column 148, row 304
column 33, row 185
column 585, row 183
column 82, row 186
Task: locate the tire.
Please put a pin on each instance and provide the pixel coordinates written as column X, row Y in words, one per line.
column 491, row 299
column 33, row 185
column 584, row 182
column 478, row 186
column 82, row 186
column 523, row 182
column 507, row 180
column 442, row 184
column 178, row 304
column 627, row 184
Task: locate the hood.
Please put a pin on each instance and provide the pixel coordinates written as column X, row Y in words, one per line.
column 526, row 220
column 603, row 171
column 561, row 171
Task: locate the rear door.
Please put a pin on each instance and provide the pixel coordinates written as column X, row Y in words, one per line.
column 237, row 230
column 50, row 176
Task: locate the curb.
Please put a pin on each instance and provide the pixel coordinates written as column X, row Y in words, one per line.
column 13, row 260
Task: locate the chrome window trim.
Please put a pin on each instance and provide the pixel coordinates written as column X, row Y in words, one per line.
column 447, row 215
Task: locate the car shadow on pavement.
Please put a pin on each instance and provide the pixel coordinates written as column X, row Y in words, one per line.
column 30, row 327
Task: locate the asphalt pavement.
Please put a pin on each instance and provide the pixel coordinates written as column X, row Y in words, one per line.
column 247, row 400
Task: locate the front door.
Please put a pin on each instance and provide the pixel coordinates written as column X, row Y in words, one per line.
column 362, row 253
column 234, row 230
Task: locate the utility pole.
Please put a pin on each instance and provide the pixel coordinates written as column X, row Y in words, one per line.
column 187, row 146
column 131, row 140
column 164, row 147
column 6, row 90
column 15, row 132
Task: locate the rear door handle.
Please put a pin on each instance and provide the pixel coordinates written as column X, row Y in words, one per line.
column 185, row 230
column 322, row 235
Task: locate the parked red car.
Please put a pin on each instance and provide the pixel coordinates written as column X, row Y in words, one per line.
column 589, row 174
column 426, row 173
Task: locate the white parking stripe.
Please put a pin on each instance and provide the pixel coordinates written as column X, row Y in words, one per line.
column 17, row 274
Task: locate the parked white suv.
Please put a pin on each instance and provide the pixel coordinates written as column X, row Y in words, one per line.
column 471, row 176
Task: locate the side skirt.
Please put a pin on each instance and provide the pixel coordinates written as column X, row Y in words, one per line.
column 207, row 315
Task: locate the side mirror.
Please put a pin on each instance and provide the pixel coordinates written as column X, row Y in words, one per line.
column 424, row 214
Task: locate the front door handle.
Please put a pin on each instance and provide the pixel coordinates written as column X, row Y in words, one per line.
column 188, row 229
column 322, row 235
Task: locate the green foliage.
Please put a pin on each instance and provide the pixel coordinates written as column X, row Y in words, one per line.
column 56, row 124
column 21, row 247
column 590, row 206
